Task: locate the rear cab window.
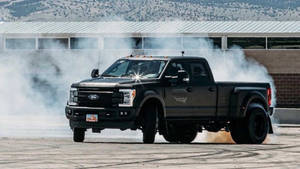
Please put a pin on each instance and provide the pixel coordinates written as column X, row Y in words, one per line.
column 196, row 70
column 199, row 73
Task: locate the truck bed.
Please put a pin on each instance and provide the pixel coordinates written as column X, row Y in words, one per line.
column 227, row 101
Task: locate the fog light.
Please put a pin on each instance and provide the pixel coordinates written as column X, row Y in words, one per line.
column 124, row 113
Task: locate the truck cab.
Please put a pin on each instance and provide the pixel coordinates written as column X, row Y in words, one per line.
column 175, row 96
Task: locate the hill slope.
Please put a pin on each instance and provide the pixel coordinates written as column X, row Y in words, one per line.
column 148, row 10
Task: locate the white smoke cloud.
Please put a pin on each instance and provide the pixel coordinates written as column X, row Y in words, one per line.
column 34, row 85
column 34, row 89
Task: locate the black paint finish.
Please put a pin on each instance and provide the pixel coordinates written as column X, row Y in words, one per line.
column 195, row 98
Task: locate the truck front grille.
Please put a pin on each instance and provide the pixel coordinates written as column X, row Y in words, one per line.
column 91, row 97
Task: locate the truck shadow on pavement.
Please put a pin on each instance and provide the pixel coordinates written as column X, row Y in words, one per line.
column 160, row 143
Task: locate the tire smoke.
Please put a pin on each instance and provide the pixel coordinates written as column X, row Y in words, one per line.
column 34, row 85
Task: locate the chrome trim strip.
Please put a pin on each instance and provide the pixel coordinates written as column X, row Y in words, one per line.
column 90, row 108
column 107, row 92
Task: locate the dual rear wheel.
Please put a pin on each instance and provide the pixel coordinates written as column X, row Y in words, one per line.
column 253, row 129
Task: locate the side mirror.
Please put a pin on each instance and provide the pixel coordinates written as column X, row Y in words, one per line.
column 95, row 73
column 183, row 77
column 172, row 80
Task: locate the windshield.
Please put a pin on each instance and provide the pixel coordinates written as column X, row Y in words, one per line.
column 135, row 68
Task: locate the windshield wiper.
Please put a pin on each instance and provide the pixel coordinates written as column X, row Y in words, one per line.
column 107, row 75
column 126, row 75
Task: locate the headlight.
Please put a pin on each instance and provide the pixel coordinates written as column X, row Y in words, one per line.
column 73, row 97
column 128, row 97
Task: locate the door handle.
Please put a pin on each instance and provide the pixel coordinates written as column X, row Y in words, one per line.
column 189, row 89
column 211, row 89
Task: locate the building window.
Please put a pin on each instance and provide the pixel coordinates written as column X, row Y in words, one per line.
column 84, row 43
column 122, row 43
column 247, row 43
column 202, row 42
column 53, row 43
column 283, row 43
column 162, row 43
column 20, row 43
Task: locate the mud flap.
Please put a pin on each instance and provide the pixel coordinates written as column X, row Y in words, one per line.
column 270, row 126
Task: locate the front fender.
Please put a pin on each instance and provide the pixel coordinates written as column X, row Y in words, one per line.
column 147, row 95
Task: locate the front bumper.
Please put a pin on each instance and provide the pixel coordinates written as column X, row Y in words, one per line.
column 107, row 117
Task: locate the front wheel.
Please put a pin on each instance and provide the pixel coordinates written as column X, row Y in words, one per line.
column 78, row 134
column 150, row 124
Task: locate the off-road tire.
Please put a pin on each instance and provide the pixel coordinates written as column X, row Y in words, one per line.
column 253, row 129
column 78, row 134
column 258, row 126
column 238, row 131
column 150, row 124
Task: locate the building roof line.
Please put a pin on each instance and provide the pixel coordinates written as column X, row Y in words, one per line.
column 170, row 27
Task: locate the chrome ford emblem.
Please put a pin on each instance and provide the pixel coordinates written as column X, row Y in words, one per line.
column 93, row 97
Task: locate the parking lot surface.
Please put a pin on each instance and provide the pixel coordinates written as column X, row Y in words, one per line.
column 210, row 151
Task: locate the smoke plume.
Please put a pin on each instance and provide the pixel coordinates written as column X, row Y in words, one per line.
column 34, row 85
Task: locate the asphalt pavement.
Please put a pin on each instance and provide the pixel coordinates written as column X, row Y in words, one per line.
column 281, row 150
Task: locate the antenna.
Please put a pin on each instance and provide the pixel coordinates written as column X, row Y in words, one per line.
column 182, row 53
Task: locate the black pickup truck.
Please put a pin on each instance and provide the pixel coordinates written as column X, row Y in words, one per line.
column 175, row 96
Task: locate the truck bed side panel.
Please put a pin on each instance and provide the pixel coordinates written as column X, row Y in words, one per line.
column 232, row 94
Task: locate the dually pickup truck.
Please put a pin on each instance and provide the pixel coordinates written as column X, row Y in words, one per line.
column 174, row 96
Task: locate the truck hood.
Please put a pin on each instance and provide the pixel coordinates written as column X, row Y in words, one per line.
column 112, row 82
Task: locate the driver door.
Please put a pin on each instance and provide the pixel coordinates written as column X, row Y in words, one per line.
column 178, row 95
